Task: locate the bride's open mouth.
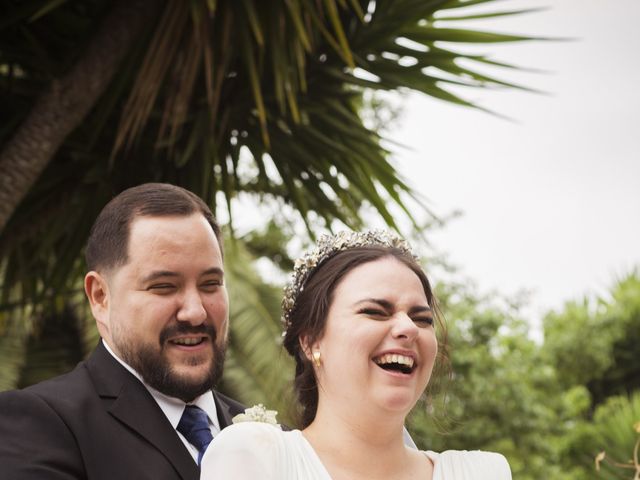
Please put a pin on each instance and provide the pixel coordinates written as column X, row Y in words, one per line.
column 396, row 363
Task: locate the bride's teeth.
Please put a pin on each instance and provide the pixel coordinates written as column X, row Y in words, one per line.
column 395, row 358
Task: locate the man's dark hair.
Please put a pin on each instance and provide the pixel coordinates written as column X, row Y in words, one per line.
column 108, row 242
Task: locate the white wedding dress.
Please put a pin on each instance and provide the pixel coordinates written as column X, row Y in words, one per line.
column 250, row 451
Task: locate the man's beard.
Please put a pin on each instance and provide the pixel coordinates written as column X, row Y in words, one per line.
column 156, row 370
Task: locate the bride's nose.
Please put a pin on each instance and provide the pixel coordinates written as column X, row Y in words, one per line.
column 404, row 327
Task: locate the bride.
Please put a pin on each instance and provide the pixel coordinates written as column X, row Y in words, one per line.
column 360, row 321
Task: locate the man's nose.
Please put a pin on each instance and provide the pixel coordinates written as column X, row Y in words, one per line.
column 192, row 308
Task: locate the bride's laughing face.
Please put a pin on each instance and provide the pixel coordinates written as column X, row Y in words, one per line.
column 379, row 344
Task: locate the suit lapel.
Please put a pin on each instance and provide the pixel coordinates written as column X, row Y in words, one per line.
column 134, row 409
column 224, row 410
column 132, row 404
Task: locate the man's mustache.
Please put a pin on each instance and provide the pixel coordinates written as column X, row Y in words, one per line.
column 186, row 329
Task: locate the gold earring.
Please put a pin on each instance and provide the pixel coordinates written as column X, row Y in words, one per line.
column 316, row 358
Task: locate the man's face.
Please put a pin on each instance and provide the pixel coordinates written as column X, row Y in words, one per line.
column 165, row 312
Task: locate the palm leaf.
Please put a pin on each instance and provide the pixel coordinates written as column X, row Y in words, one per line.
column 256, row 370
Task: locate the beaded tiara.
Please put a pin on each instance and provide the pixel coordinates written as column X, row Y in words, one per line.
column 326, row 247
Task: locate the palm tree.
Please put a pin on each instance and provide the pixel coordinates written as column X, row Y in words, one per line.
column 227, row 98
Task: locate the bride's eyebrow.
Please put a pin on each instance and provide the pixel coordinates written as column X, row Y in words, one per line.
column 420, row 309
column 386, row 304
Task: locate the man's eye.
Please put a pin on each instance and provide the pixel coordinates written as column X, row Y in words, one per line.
column 161, row 287
column 211, row 284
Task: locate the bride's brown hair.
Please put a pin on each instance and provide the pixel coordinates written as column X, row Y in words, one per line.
column 307, row 318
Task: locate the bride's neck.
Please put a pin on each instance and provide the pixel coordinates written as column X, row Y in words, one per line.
column 357, row 442
column 358, row 426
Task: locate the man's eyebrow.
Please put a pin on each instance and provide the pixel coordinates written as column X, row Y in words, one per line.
column 159, row 274
column 214, row 271
column 170, row 274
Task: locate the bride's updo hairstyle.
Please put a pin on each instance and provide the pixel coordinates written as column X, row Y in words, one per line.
column 309, row 295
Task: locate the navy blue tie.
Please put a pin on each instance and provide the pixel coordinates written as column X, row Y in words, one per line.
column 194, row 425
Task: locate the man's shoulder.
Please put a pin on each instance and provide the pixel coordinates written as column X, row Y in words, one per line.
column 234, row 405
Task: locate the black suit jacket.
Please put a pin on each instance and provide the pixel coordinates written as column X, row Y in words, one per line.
column 96, row 422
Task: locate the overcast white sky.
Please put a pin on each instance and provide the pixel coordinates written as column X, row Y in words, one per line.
column 551, row 203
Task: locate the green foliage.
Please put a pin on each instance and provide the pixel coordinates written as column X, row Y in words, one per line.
column 597, row 343
column 37, row 346
column 53, row 348
column 257, row 370
column 578, row 342
column 270, row 244
column 502, row 396
column 13, row 335
column 623, row 311
column 612, row 431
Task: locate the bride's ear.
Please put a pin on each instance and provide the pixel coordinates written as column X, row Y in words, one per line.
column 307, row 348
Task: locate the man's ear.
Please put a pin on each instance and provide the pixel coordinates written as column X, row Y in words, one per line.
column 97, row 290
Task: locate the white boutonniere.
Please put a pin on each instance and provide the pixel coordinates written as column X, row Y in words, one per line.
column 257, row 413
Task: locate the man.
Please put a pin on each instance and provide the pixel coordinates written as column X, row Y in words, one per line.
column 156, row 289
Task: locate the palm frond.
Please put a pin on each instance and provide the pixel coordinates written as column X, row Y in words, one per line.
column 257, row 370
column 212, row 84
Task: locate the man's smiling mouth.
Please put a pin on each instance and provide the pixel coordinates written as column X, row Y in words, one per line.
column 188, row 341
